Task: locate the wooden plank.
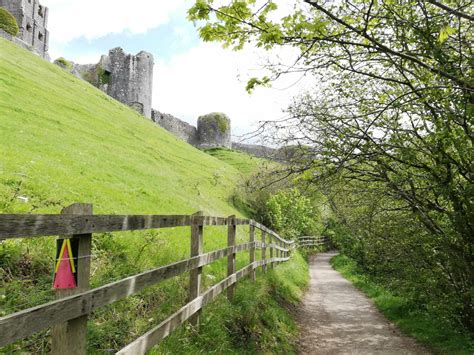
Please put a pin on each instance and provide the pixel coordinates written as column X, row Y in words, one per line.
column 196, row 249
column 264, row 250
column 252, row 251
column 16, row 226
column 231, row 233
column 269, row 231
column 261, row 245
column 155, row 335
column 71, row 337
column 241, row 222
column 271, row 246
column 41, row 225
column 278, row 249
column 24, row 323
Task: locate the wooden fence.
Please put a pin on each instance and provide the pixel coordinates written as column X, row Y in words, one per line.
column 68, row 314
column 312, row 241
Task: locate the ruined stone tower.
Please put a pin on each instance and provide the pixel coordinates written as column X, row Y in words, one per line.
column 127, row 78
column 130, row 78
column 214, row 131
column 32, row 19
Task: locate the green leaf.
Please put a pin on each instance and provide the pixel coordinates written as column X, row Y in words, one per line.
column 445, row 33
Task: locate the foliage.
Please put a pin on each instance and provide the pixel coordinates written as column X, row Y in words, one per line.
column 103, row 76
column 423, row 324
column 8, row 22
column 291, row 214
column 389, row 134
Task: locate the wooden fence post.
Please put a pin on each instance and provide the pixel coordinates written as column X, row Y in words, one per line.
column 270, row 241
column 264, row 251
column 196, row 249
column 231, row 232
column 252, row 251
column 71, row 336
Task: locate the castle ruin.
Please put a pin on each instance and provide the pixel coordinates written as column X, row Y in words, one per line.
column 125, row 77
column 129, row 79
column 32, row 19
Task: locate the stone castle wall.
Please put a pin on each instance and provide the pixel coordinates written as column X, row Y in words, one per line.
column 180, row 129
column 260, row 151
column 127, row 78
column 32, row 19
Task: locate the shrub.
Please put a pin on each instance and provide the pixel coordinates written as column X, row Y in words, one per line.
column 291, row 213
column 8, row 22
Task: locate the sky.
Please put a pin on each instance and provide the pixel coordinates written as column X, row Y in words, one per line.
column 191, row 78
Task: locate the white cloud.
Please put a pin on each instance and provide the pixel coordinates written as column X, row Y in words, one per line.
column 204, row 79
column 208, row 78
column 92, row 19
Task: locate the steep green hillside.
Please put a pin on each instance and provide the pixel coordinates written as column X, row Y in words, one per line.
column 63, row 141
column 243, row 162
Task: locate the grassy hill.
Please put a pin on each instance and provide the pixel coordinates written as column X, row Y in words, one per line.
column 63, row 141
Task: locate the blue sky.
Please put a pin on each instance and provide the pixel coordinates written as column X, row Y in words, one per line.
column 164, row 42
column 191, row 78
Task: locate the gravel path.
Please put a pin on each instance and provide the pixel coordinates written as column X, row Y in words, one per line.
column 336, row 318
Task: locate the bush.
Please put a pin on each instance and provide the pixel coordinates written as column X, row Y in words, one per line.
column 291, row 214
column 8, row 22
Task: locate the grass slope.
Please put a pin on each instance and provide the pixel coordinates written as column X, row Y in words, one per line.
column 63, row 141
column 243, row 162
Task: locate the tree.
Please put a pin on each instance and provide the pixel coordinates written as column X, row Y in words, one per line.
column 291, row 214
column 393, row 115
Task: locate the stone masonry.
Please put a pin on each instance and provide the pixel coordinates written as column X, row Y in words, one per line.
column 125, row 77
column 32, row 19
column 180, row 129
column 214, row 130
column 128, row 79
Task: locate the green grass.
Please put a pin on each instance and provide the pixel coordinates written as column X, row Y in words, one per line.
column 422, row 326
column 243, row 162
column 257, row 321
column 63, row 141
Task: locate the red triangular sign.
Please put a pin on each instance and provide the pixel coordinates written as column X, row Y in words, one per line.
column 64, row 278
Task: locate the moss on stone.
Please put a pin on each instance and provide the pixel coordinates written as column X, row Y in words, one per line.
column 62, row 62
column 8, row 22
column 103, row 76
column 220, row 119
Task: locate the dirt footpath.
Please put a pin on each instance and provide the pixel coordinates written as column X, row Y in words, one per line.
column 336, row 318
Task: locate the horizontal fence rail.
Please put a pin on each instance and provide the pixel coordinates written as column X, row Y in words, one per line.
column 68, row 314
column 312, row 241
